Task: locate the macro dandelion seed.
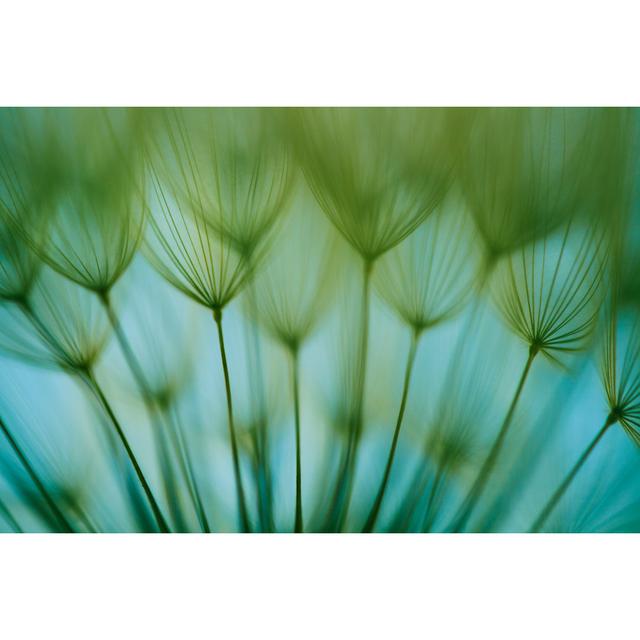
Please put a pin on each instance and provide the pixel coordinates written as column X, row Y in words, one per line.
column 426, row 280
column 231, row 169
column 452, row 443
column 292, row 292
column 68, row 329
column 376, row 177
column 620, row 370
column 203, row 263
column 549, row 294
column 407, row 306
column 521, row 173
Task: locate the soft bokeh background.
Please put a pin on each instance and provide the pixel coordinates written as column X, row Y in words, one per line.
column 471, row 357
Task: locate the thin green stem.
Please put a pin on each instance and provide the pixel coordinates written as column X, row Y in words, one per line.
column 375, row 509
column 264, row 493
column 523, row 468
column 242, row 505
column 186, row 467
column 407, row 507
column 564, row 485
column 65, row 525
column 8, row 516
column 344, row 488
column 331, row 516
column 431, row 512
column 487, row 468
column 157, row 424
column 82, row 515
column 92, row 383
column 140, row 514
column 295, row 362
column 168, row 477
column 125, row 347
column 123, row 471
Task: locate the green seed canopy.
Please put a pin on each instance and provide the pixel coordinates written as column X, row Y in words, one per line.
column 91, row 240
column 428, row 278
column 550, row 291
column 389, row 266
column 377, row 176
column 75, row 191
column 231, row 168
column 522, row 173
column 296, row 283
column 185, row 251
column 19, row 265
column 60, row 325
column 620, row 369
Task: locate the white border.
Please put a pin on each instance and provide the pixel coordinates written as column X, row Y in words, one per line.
column 300, row 53
column 385, row 586
column 296, row 52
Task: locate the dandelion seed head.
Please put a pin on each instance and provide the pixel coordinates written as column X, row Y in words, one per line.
column 620, row 368
column 295, row 285
column 19, row 266
column 231, row 168
column 84, row 215
column 522, row 172
column 428, row 278
column 550, row 291
column 185, row 251
column 376, row 176
column 61, row 325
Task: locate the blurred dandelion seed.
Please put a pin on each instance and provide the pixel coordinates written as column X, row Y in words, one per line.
column 549, row 294
column 300, row 215
column 426, row 280
column 621, row 382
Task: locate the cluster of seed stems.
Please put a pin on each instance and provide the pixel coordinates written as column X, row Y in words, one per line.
column 550, row 295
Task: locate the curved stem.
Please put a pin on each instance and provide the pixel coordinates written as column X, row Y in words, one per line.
column 92, row 383
column 157, row 424
column 140, row 514
column 186, row 467
column 564, row 485
column 125, row 347
column 330, row 519
column 8, row 516
column 298, row 527
column 88, row 523
column 344, row 487
column 375, row 509
column 530, row 451
column 60, row 517
column 168, row 477
column 121, row 467
column 407, row 507
column 487, row 468
column 264, row 481
column 242, row 505
column 431, row 513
